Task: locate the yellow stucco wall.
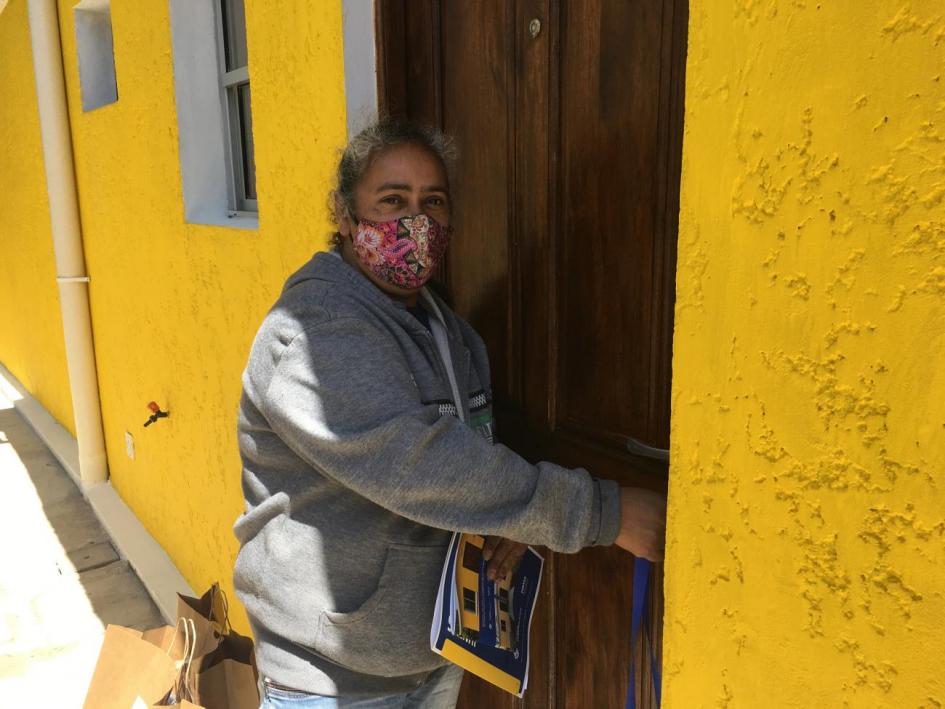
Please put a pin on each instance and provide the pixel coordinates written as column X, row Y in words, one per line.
column 806, row 556
column 175, row 306
column 31, row 344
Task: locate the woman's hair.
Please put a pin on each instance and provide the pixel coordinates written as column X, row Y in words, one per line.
column 378, row 137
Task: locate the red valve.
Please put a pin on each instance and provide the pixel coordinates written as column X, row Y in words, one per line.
column 156, row 413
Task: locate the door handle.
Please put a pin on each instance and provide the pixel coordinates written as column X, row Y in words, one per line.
column 639, row 448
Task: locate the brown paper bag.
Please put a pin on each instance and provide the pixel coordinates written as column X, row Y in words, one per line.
column 171, row 640
column 209, row 614
column 182, row 691
column 131, row 667
column 200, row 664
column 223, row 673
column 227, row 678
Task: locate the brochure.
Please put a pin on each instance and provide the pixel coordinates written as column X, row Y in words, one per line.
column 481, row 625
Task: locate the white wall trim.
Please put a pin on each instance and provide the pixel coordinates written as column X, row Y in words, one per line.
column 154, row 567
column 360, row 51
column 95, row 47
column 133, row 542
column 202, row 142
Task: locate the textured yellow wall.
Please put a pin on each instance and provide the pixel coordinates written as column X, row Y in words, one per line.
column 806, row 559
column 31, row 344
column 175, row 306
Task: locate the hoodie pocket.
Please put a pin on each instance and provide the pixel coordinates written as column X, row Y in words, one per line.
column 389, row 634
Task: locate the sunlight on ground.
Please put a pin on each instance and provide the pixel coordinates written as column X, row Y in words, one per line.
column 49, row 632
column 8, row 394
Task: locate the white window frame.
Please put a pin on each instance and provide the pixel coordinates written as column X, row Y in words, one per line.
column 203, row 128
column 98, row 86
column 204, row 133
column 360, row 54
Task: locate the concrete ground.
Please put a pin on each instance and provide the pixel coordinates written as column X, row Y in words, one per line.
column 61, row 580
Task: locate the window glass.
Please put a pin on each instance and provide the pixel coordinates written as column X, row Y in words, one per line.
column 234, row 34
column 469, row 600
column 472, row 557
column 246, row 142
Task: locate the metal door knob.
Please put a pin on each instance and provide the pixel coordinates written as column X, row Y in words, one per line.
column 534, row 27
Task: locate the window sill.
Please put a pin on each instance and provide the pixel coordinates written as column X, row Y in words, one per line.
column 248, row 221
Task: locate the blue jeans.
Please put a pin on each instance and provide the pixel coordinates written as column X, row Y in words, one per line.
column 440, row 691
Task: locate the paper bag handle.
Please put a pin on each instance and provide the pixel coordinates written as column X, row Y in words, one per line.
column 182, row 686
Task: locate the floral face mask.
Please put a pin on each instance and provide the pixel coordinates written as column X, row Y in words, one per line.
column 403, row 252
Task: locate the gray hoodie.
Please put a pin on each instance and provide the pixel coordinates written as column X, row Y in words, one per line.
column 356, row 468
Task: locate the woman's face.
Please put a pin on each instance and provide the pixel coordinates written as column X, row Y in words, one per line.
column 404, row 180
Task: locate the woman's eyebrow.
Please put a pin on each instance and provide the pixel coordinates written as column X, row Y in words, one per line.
column 401, row 186
column 392, row 186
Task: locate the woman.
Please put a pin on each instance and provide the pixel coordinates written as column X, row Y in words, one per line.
column 365, row 432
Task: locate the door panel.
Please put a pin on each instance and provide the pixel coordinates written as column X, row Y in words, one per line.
column 477, row 64
column 565, row 203
column 610, row 166
column 609, row 64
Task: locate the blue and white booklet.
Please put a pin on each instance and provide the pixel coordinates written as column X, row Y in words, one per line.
column 481, row 625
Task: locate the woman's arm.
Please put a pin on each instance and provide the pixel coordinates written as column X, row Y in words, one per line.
column 342, row 398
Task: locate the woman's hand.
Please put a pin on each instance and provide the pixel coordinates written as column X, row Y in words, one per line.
column 642, row 522
column 503, row 556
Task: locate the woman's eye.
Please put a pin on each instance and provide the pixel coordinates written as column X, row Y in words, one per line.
column 436, row 202
column 391, row 199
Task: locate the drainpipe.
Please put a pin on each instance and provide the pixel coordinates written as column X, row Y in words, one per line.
column 71, row 275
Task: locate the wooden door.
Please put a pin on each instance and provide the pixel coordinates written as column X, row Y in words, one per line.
column 568, row 114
